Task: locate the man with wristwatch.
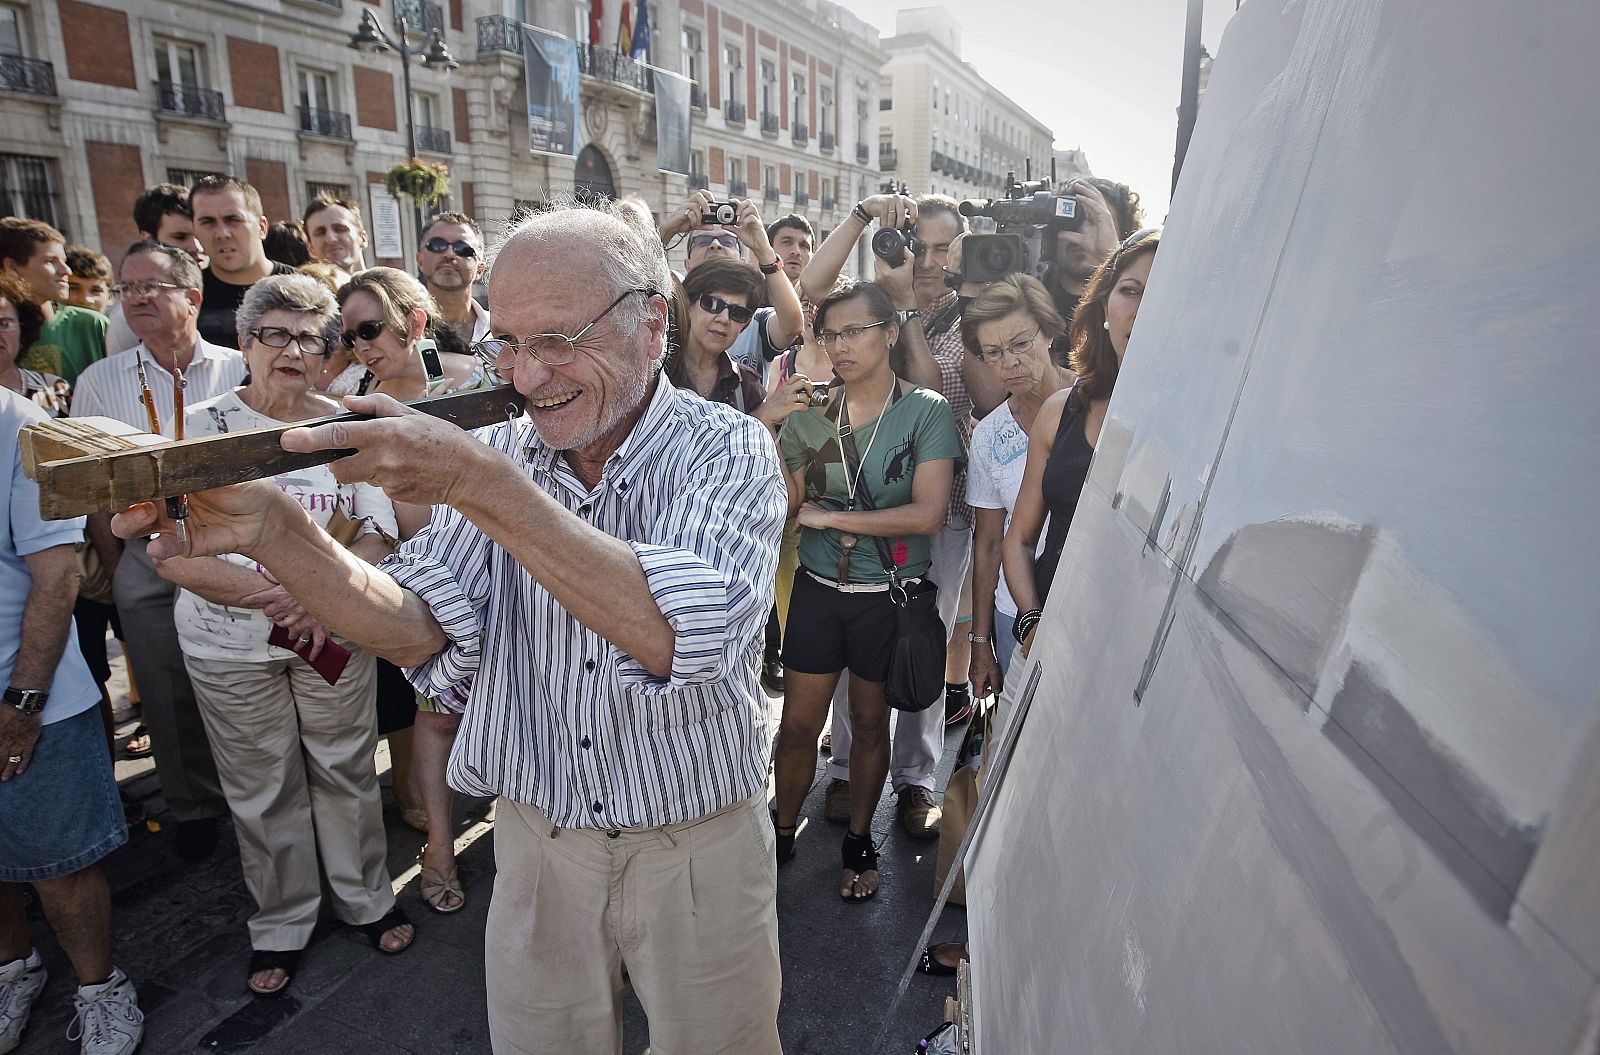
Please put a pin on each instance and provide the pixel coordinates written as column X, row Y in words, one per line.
column 59, row 809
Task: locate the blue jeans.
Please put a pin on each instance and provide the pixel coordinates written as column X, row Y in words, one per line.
column 63, row 814
column 1004, row 643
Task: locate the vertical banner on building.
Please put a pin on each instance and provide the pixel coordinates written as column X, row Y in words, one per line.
column 384, row 218
column 551, row 63
column 672, row 121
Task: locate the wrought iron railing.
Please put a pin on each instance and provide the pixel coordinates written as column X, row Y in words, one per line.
column 189, row 100
column 861, row 153
column 698, row 181
column 733, row 113
column 331, row 123
column 420, row 16
column 769, row 192
column 888, row 158
column 799, row 133
column 433, row 140
column 827, row 203
column 769, row 123
column 801, row 199
column 738, row 189
column 28, row 76
column 697, row 97
column 499, row 33
column 938, row 161
column 825, row 142
column 611, row 65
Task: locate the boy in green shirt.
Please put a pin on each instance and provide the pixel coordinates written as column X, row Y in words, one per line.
column 72, row 338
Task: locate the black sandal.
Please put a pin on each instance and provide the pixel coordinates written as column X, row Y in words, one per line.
column 395, row 917
column 285, row 960
column 860, row 855
column 784, row 849
column 931, row 964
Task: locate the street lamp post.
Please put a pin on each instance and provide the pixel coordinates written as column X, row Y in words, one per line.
column 371, row 39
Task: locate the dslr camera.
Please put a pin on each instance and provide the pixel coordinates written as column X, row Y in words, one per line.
column 1026, row 221
column 892, row 244
column 721, row 212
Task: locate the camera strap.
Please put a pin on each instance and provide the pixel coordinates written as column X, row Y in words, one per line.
column 946, row 318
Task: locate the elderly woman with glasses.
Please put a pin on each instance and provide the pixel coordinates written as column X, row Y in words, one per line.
column 869, row 478
column 289, row 713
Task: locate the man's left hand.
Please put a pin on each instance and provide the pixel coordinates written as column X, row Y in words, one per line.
column 1098, row 232
column 18, row 733
column 413, row 456
column 896, row 281
column 812, row 515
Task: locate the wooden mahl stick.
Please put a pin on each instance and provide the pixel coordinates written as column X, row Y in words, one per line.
column 84, row 470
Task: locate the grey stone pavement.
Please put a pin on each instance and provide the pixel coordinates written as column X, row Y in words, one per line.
column 179, row 932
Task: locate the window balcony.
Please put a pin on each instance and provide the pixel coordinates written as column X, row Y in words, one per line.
column 497, row 33
column 697, row 98
column 861, row 153
column 888, row 158
column 432, row 140
column 329, row 123
column 827, row 203
column 27, row 76
column 420, row 16
column 938, row 161
column 698, row 181
column 801, row 199
column 738, row 189
column 825, row 142
column 733, row 113
column 800, row 134
column 188, row 100
column 770, row 192
column 885, row 102
column 769, row 123
column 608, row 64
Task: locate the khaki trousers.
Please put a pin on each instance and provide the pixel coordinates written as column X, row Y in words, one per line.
column 295, row 758
column 690, row 910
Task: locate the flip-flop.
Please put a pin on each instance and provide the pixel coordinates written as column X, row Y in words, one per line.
column 285, row 960
column 374, row 931
column 140, row 732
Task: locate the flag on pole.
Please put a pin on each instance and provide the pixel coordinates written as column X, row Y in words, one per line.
column 625, row 30
column 597, row 14
column 641, row 32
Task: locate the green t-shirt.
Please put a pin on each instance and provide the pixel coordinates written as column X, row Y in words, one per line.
column 68, row 343
column 918, row 427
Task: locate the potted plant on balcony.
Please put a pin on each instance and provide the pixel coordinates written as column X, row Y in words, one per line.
column 424, row 182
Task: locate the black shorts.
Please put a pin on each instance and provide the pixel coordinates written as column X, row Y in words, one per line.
column 829, row 630
column 396, row 700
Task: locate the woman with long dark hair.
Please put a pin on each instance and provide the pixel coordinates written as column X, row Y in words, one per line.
column 869, row 480
column 1061, row 445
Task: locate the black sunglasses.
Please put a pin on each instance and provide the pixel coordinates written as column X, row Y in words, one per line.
column 439, row 245
column 714, row 305
column 1133, row 241
column 368, row 331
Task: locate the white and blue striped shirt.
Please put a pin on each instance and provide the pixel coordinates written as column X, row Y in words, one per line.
column 558, row 717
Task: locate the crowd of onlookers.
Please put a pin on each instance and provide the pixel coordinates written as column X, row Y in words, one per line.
column 934, row 437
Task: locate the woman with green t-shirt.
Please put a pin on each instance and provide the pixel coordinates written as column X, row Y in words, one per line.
column 869, row 477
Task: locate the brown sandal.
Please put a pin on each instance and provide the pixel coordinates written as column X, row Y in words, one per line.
column 435, row 888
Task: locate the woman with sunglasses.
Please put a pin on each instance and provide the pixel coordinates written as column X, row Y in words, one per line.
column 387, row 315
column 869, row 479
column 294, row 752
column 1061, row 444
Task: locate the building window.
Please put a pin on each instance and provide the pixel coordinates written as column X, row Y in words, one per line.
column 28, row 188
column 735, row 173
column 732, row 63
column 825, row 105
column 178, row 64
column 798, row 111
column 769, row 86
column 691, row 53
column 935, row 96
column 188, row 177
column 11, row 41
column 769, row 177
column 332, row 190
column 517, row 9
column 316, row 90
column 697, row 162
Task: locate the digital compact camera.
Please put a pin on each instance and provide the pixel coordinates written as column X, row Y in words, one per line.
column 722, row 212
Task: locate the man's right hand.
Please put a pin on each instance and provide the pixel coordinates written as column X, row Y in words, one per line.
column 891, row 210
column 983, row 671
column 232, row 519
column 686, row 216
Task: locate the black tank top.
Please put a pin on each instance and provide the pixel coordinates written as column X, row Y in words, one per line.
column 1064, row 473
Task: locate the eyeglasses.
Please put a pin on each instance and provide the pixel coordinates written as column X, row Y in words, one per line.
column 1018, row 350
column 552, row 349
column 439, row 245
column 849, row 333
column 147, row 288
column 367, row 331
column 714, row 305
column 307, row 343
column 1132, row 242
column 707, row 239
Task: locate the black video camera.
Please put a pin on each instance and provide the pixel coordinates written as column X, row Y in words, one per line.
column 1026, row 222
column 721, row 212
column 893, row 243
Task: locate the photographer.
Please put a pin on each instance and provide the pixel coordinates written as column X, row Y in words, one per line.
column 1111, row 213
column 709, row 240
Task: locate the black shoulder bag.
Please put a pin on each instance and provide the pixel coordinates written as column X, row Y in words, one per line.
column 917, row 653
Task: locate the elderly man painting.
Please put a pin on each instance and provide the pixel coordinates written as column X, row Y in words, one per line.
column 601, row 571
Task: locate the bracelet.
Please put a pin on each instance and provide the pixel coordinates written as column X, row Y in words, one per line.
column 1025, row 624
column 772, row 268
column 977, row 639
column 860, row 212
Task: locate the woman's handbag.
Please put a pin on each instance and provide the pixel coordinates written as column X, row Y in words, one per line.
column 917, row 653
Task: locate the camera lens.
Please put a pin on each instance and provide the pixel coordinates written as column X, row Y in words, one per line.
column 889, row 244
column 994, row 256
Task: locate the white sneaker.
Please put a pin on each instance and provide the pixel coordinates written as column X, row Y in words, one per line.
column 108, row 1021
column 21, row 982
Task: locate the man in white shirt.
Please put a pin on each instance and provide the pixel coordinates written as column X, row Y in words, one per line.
column 334, row 233
column 160, row 294
column 450, row 260
column 161, row 213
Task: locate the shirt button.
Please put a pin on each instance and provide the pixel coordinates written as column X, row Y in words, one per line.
column 588, row 665
column 597, row 807
column 584, row 743
column 583, row 511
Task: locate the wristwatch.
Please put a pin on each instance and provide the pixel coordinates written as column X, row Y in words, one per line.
column 772, row 268
column 908, row 315
column 28, row 701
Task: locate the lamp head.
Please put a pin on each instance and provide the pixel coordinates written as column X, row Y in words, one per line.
column 437, row 56
column 368, row 37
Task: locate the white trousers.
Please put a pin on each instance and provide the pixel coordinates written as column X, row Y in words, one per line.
column 918, row 738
